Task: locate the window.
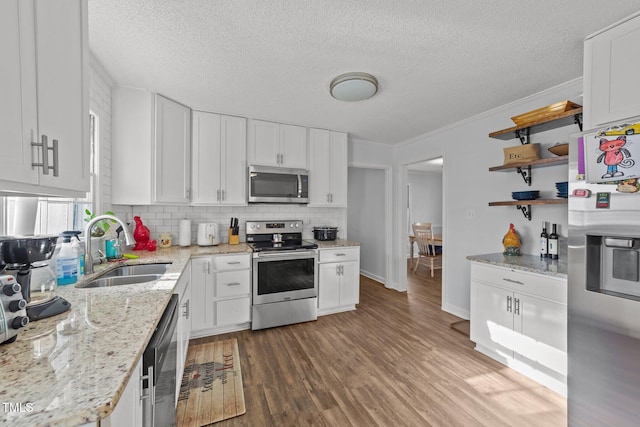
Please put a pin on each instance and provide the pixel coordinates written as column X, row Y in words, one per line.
column 53, row 215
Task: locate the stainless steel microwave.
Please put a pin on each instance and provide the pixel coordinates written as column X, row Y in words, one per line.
column 278, row 185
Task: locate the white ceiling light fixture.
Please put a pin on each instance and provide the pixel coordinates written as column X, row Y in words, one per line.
column 354, row 87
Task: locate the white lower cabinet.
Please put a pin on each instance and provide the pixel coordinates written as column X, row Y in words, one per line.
column 128, row 410
column 338, row 279
column 183, row 289
column 520, row 319
column 220, row 294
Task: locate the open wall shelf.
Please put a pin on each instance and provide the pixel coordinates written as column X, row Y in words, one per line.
column 554, row 121
column 525, row 205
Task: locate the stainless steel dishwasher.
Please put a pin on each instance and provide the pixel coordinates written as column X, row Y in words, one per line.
column 159, row 364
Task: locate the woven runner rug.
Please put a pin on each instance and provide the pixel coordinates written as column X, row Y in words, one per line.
column 211, row 388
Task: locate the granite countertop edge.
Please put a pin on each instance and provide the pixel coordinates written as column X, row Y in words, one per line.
column 527, row 263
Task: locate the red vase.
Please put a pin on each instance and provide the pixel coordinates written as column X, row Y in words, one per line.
column 140, row 235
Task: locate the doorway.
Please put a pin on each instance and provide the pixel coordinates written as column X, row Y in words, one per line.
column 425, row 204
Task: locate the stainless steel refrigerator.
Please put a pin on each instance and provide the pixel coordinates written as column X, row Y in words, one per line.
column 604, row 281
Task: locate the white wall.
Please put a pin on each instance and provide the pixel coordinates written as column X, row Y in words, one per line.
column 469, row 186
column 426, row 198
column 366, row 219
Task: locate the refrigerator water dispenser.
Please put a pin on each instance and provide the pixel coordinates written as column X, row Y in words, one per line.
column 613, row 266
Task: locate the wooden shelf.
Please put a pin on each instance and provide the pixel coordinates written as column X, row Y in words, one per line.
column 535, row 163
column 525, row 205
column 530, row 202
column 550, row 122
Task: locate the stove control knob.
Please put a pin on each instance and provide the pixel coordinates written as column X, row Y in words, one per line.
column 253, row 226
column 11, row 289
column 17, row 305
column 258, row 226
column 297, row 225
column 19, row 322
column 291, row 225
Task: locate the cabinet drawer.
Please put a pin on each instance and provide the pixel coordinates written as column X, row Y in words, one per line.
column 339, row 254
column 233, row 283
column 233, row 311
column 231, row 262
column 548, row 287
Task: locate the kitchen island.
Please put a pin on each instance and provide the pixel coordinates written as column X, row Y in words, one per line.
column 72, row 368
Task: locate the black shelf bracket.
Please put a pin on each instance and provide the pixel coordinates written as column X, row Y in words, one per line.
column 526, row 210
column 524, row 139
column 577, row 119
column 526, row 174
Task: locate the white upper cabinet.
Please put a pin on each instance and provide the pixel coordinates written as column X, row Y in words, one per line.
column 219, row 167
column 328, row 168
column 151, row 149
column 611, row 63
column 279, row 145
column 45, row 97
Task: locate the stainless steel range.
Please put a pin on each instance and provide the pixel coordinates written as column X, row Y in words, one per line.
column 285, row 275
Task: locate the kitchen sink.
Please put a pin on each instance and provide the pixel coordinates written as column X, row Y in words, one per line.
column 137, row 270
column 120, row 280
column 128, row 275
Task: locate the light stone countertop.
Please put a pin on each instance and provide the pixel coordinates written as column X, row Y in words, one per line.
column 529, row 263
column 338, row 243
column 72, row 368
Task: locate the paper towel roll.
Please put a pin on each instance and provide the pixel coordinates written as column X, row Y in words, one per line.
column 184, row 238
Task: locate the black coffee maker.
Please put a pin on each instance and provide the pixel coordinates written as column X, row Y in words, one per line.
column 19, row 256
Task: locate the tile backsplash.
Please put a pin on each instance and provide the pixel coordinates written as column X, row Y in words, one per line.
column 166, row 218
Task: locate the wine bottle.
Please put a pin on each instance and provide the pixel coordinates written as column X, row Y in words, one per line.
column 553, row 243
column 544, row 241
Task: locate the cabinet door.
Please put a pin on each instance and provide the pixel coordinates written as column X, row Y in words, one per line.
column 339, row 169
column 63, row 90
column 611, row 89
column 492, row 322
column 172, row 175
column 206, row 185
column 319, row 167
column 293, row 146
column 328, row 286
column 202, row 316
column 18, row 121
column 128, row 411
column 233, row 160
column 540, row 328
column 350, row 283
column 264, row 143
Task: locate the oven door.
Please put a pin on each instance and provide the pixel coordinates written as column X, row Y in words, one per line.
column 283, row 276
column 278, row 185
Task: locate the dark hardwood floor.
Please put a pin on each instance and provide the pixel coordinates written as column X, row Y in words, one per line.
column 394, row 361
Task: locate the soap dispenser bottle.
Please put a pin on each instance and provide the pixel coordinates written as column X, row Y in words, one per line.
column 66, row 259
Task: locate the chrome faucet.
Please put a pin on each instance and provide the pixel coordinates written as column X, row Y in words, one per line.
column 88, row 259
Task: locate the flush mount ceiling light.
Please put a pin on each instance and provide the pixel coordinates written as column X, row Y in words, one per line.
column 354, row 87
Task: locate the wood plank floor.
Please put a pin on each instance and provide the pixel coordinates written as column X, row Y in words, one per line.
column 394, row 361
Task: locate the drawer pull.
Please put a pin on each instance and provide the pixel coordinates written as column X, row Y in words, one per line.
column 513, row 281
column 233, row 284
column 233, row 262
column 341, row 254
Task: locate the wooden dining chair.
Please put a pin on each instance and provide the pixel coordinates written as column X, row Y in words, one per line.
column 426, row 246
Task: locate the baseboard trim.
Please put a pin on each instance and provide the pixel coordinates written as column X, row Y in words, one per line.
column 456, row 311
column 374, row 277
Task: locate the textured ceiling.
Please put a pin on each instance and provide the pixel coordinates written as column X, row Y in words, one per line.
column 437, row 61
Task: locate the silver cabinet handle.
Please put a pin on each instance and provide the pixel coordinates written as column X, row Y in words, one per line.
column 517, row 311
column 338, row 270
column 233, row 263
column 45, row 159
column 327, row 197
column 233, row 284
column 508, row 303
column 341, row 254
column 331, row 197
column 224, row 196
column 56, row 168
column 218, row 196
column 185, row 313
column 512, row 281
column 342, row 270
column 149, row 377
